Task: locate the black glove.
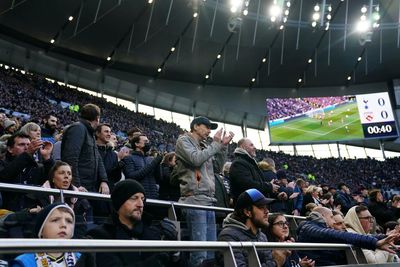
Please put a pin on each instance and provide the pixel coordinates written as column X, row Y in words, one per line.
column 168, row 229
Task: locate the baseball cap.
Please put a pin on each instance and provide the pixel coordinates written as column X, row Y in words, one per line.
column 205, row 121
column 252, row 197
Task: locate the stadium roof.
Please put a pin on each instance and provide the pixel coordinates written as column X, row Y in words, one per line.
column 138, row 38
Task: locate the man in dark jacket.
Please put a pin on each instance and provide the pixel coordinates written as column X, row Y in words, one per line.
column 317, row 229
column 379, row 209
column 111, row 161
column 245, row 173
column 344, row 198
column 141, row 167
column 20, row 167
column 128, row 198
column 244, row 225
column 79, row 150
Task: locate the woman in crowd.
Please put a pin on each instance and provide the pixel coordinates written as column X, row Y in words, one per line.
column 278, row 231
column 311, row 196
column 55, row 221
column 359, row 220
column 32, row 130
column 168, row 191
column 60, row 177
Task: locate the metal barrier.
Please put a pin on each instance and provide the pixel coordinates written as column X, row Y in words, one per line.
column 226, row 248
column 97, row 196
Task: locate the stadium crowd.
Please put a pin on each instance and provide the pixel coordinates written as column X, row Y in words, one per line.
column 279, row 108
column 45, row 141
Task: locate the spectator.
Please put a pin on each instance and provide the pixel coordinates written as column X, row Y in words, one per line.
column 167, row 190
column 267, row 165
column 55, row 221
column 311, row 196
column 278, row 231
column 110, row 159
column 344, row 198
column 10, row 127
column 244, row 225
column 20, row 167
column 141, row 167
column 297, row 196
column 79, row 150
column 339, row 221
column 359, row 220
column 195, row 173
column 379, row 209
column 128, row 199
column 316, row 229
column 49, row 129
column 282, row 205
column 245, row 173
column 395, row 206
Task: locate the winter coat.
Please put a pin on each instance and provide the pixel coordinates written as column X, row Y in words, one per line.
column 78, row 149
column 143, row 169
column 245, row 174
column 235, row 231
column 353, row 225
column 195, row 171
column 315, row 230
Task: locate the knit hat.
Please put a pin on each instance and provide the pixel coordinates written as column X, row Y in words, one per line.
column 123, row 190
column 252, row 197
column 8, row 123
column 44, row 214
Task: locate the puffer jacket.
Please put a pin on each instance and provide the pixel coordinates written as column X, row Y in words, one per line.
column 145, row 170
column 315, row 230
column 195, row 169
column 233, row 230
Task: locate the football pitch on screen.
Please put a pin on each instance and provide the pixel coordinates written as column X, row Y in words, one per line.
column 341, row 123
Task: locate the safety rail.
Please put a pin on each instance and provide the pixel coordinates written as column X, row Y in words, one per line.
column 97, row 196
column 226, row 248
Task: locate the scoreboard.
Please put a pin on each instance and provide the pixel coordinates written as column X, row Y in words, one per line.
column 376, row 115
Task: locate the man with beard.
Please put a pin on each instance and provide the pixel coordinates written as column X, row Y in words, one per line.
column 49, row 129
column 128, row 199
column 245, row 224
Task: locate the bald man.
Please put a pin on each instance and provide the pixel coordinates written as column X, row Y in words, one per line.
column 319, row 229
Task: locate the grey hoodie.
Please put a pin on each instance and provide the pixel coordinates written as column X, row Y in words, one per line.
column 233, row 230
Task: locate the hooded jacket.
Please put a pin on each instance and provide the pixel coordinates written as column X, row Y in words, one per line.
column 233, row 230
column 245, row 174
column 194, row 169
column 353, row 225
column 315, row 230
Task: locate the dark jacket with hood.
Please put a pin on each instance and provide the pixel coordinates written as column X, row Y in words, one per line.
column 315, row 230
column 245, row 174
column 112, row 166
column 233, row 230
column 78, row 149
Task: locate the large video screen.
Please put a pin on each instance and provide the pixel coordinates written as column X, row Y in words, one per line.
column 330, row 119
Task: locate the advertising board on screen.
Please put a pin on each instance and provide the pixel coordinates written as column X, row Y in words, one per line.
column 330, row 119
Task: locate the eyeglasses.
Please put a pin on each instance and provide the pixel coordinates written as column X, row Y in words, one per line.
column 369, row 218
column 281, row 224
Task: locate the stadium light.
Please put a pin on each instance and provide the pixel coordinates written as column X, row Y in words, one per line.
column 207, row 76
column 159, row 70
column 70, row 18
column 218, row 56
column 253, row 80
column 52, row 41
column 264, row 60
column 349, row 77
column 172, row 49
column 279, row 11
column 108, row 58
column 236, row 5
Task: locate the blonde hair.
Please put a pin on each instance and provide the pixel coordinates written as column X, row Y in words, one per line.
column 27, row 128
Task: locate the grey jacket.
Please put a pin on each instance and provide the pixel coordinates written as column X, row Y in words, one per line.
column 195, row 169
column 234, row 230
